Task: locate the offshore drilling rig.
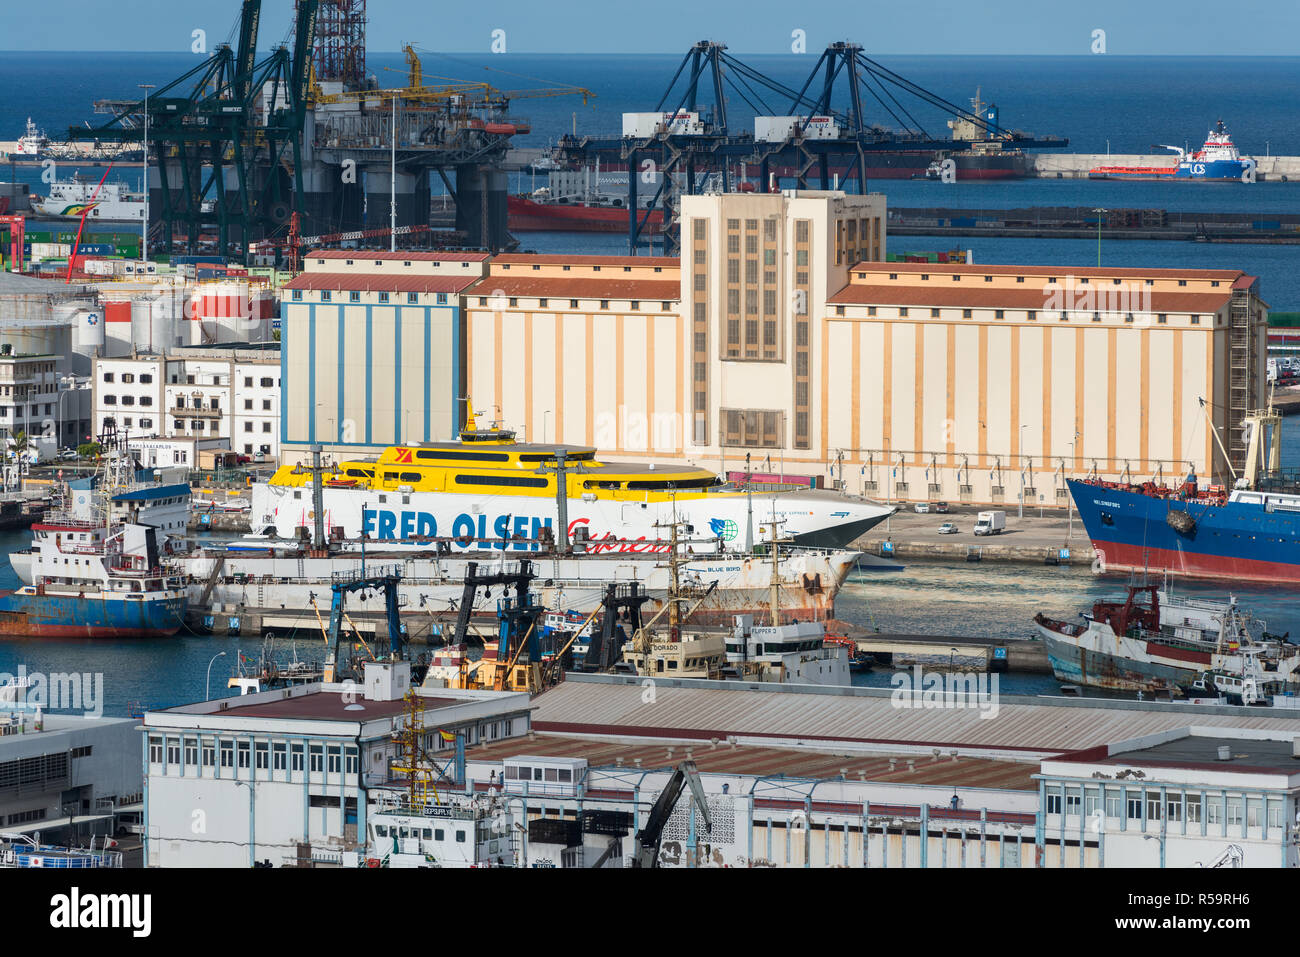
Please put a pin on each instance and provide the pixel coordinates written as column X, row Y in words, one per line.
column 238, row 145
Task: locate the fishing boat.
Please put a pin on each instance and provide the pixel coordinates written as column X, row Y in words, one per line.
column 95, row 569
column 1151, row 642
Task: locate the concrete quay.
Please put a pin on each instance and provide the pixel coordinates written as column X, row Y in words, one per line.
column 1049, row 539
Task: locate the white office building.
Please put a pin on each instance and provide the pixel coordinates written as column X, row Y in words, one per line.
column 273, row 775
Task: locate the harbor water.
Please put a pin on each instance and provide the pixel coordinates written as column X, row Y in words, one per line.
column 950, row 599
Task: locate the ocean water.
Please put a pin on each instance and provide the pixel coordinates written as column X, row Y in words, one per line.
column 1124, row 104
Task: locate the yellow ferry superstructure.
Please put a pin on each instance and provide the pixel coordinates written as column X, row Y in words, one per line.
column 487, row 491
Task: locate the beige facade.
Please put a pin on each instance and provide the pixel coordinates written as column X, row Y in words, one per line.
column 580, row 349
column 755, row 267
column 781, row 335
column 965, row 382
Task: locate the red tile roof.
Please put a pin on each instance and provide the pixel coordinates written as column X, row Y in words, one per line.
column 1029, row 297
column 379, row 282
column 558, row 259
column 400, row 255
column 1014, row 270
column 580, row 287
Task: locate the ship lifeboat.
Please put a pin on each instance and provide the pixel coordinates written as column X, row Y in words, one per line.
column 341, row 483
column 506, row 129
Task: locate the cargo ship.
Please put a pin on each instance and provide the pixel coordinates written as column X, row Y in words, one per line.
column 1217, row 161
column 609, row 215
column 1249, row 533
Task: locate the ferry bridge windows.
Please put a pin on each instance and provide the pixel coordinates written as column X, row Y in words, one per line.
column 155, row 750
column 437, row 454
column 295, row 754
column 209, row 754
column 191, row 752
column 352, row 762
column 227, row 754
column 520, row 481
column 333, row 759
column 243, row 754
column 173, row 750
column 316, row 756
column 261, row 756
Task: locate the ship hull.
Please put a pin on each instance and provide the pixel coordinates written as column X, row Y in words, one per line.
column 71, row 616
column 1218, row 171
column 1131, row 531
column 1091, row 668
column 813, row 518
column 434, row 585
column 528, row 216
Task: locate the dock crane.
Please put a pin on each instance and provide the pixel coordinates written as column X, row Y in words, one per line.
column 650, row 837
column 388, row 581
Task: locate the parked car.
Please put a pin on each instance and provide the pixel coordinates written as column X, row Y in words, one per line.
column 922, row 507
column 947, row 528
column 67, row 455
column 941, row 508
column 244, row 459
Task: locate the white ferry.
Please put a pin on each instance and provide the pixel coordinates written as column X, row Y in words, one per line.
column 489, row 492
column 109, row 202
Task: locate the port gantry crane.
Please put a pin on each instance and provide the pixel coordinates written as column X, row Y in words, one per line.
column 686, row 154
column 230, row 129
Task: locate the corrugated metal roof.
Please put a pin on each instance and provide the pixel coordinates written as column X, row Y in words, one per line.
column 378, row 282
column 976, row 269
column 581, row 287
column 724, row 758
column 1029, row 297
column 603, row 704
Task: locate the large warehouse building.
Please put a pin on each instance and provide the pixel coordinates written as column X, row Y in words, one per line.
column 782, row 337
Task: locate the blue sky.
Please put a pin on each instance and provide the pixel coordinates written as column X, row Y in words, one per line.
column 1052, row 27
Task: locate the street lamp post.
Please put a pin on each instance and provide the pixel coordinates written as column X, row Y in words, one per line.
column 144, row 236
column 207, row 682
column 1022, row 470
column 1069, row 499
column 252, row 821
column 1099, row 210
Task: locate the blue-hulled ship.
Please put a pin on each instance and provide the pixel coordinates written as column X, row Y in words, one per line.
column 96, row 566
column 1250, row 533
column 1218, row 160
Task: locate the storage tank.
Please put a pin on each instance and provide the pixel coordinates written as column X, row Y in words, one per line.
column 87, row 331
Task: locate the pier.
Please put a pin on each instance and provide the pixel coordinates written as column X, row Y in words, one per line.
column 1050, row 538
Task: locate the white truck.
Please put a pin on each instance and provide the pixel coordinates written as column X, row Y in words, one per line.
column 990, row 523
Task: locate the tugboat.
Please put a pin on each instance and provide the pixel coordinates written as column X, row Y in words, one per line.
column 1218, row 160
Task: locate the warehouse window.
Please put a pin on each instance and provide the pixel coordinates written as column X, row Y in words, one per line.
column 1196, row 320
column 354, row 297
column 573, row 304
column 871, row 310
column 412, row 298
column 965, row 313
column 383, row 297
column 541, row 303
column 997, row 314
column 326, row 295
column 934, row 313
column 297, row 295
column 1162, row 318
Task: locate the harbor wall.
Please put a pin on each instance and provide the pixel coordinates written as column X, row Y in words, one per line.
column 1076, row 165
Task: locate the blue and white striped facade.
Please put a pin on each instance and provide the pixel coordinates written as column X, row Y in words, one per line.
column 373, row 351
